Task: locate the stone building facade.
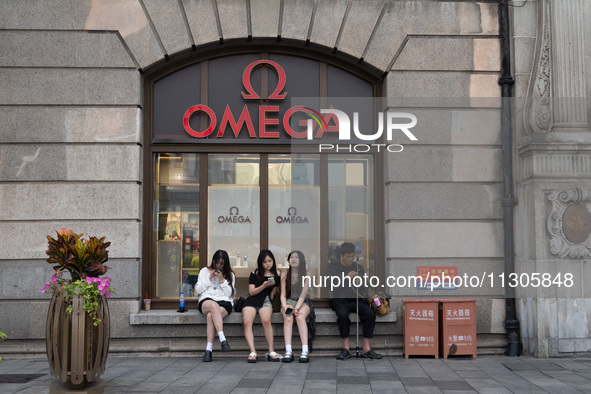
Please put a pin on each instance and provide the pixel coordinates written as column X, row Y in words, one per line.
column 76, row 146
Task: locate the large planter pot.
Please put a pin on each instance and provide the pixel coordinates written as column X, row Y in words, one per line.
column 76, row 348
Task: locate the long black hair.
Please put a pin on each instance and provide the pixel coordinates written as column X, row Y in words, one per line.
column 302, row 271
column 226, row 268
column 260, row 271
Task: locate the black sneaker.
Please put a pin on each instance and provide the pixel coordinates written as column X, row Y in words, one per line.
column 225, row 346
column 274, row 357
column 373, row 355
column 344, row 354
column 207, row 357
column 304, row 358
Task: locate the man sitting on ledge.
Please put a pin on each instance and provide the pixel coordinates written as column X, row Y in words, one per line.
column 345, row 301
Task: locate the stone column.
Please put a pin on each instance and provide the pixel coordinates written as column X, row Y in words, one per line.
column 568, row 59
column 553, row 172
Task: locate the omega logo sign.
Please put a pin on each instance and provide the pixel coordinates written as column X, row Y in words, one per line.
column 234, row 217
column 228, row 118
column 292, row 217
column 248, row 86
column 388, row 122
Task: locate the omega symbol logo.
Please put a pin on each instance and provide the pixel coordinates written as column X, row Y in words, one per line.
column 234, row 217
column 292, row 217
column 252, row 95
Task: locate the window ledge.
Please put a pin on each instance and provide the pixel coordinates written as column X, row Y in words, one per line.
column 168, row 316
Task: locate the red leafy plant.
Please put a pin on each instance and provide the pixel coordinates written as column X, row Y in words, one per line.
column 81, row 257
column 84, row 259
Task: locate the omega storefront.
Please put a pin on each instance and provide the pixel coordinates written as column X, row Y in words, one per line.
column 176, row 128
column 226, row 174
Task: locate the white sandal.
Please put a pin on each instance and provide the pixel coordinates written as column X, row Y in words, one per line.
column 252, row 357
column 273, row 357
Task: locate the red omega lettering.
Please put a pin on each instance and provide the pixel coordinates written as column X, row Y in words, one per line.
column 252, row 95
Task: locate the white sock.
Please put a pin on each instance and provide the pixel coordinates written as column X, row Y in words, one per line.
column 288, row 348
column 209, row 346
column 222, row 336
column 304, row 349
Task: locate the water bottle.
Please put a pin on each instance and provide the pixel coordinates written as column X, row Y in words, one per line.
column 182, row 302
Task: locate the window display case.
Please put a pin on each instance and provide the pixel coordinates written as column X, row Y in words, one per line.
column 177, row 224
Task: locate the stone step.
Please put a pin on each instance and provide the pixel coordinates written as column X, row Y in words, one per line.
column 325, row 322
column 388, row 345
column 191, row 340
column 159, row 317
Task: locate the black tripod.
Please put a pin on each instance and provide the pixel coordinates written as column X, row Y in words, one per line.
column 358, row 353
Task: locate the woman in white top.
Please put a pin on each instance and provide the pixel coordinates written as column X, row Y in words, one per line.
column 215, row 287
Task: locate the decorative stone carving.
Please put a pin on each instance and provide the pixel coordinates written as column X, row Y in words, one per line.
column 560, row 245
column 562, row 164
column 539, row 92
column 556, row 98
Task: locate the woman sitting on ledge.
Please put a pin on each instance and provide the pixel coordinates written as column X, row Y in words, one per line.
column 295, row 304
column 215, row 287
column 262, row 286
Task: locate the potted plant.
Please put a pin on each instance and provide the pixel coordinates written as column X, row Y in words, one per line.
column 77, row 331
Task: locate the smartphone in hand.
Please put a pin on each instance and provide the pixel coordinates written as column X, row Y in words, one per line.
column 288, row 311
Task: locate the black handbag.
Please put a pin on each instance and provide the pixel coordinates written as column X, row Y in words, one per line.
column 239, row 304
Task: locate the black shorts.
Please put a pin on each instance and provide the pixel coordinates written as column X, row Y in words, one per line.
column 224, row 304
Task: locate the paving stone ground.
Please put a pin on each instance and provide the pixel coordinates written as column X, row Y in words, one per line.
column 486, row 374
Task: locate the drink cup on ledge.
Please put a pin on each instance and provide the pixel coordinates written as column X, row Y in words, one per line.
column 147, row 303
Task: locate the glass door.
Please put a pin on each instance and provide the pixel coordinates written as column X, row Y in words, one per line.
column 283, row 202
column 294, row 208
column 351, row 208
column 234, row 212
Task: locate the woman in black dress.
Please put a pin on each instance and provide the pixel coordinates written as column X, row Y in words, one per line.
column 262, row 287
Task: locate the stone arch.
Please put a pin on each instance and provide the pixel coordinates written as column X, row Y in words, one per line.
column 285, row 46
column 379, row 33
column 375, row 33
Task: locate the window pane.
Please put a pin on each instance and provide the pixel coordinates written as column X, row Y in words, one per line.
column 350, row 204
column 234, row 212
column 294, row 208
column 176, row 210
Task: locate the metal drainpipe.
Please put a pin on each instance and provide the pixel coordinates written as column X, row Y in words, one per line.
column 506, row 81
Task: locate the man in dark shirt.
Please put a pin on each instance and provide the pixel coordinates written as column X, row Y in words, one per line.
column 345, row 301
